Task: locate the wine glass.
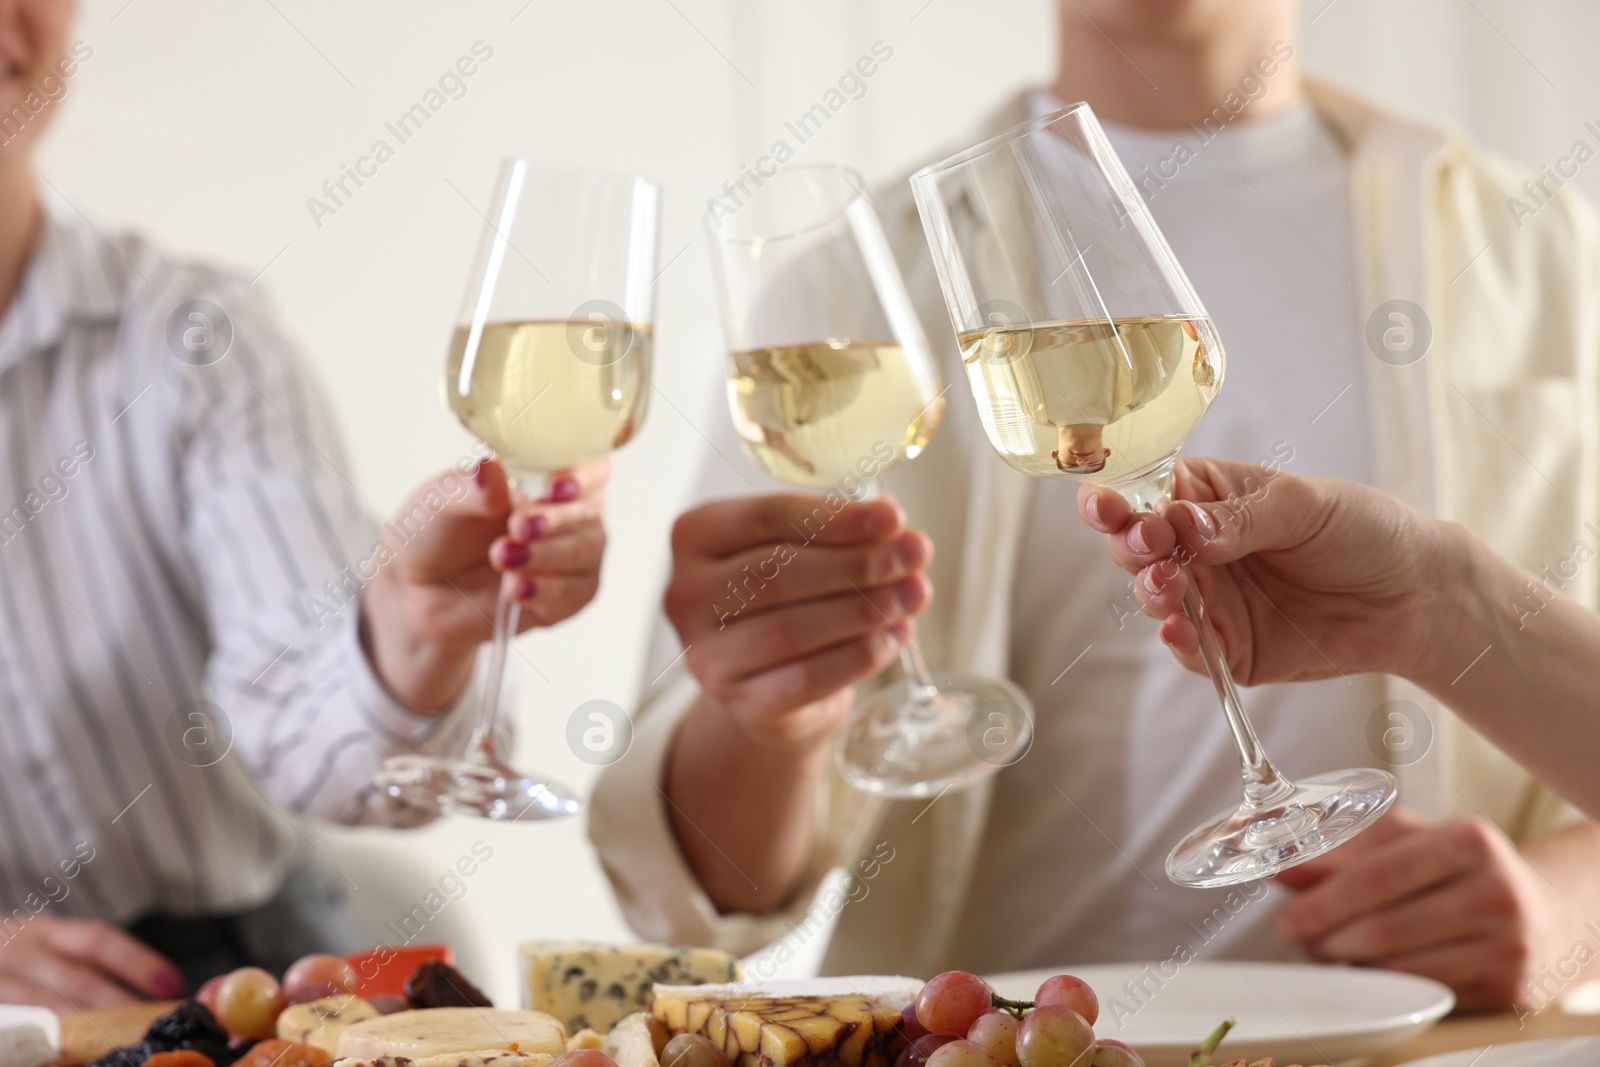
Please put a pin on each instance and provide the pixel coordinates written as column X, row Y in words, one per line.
column 830, row 382
column 550, row 364
column 1092, row 359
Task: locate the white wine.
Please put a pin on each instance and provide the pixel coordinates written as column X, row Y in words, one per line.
column 547, row 395
column 816, row 414
column 1099, row 401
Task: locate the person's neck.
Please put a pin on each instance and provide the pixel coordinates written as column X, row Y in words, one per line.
column 1160, row 81
column 20, row 219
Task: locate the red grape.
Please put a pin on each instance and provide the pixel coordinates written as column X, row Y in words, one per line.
column 1112, row 1053
column 583, row 1057
column 916, row 1054
column 316, row 976
column 248, row 1002
column 208, row 992
column 951, row 1002
column 388, row 1003
column 961, row 1053
column 1069, row 992
column 1054, row 1036
column 691, row 1050
column 996, row 1031
column 910, row 1026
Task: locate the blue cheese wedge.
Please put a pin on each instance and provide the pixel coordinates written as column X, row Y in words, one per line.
column 588, row 985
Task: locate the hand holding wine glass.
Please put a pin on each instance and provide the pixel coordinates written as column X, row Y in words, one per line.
column 1092, row 359
column 1354, row 571
column 831, row 383
column 549, row 364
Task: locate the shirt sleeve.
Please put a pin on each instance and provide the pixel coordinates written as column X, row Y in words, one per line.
column 284, row 549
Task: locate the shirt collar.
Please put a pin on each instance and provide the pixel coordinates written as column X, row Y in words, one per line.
column 74, row 275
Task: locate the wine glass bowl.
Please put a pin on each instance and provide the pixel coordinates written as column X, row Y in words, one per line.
column 1092, row 358
column 831, row 382
column 549, row 365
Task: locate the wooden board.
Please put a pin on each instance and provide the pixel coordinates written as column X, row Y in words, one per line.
column 88, row 1035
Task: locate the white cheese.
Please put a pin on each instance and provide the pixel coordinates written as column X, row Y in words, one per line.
column 28, row 1036
column 428, row 1032
column 587, row 984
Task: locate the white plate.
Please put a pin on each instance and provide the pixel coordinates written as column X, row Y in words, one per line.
column 1560, row 1052
column 1293, row 1012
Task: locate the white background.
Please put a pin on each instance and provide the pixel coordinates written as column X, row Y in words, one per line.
column 208, row 125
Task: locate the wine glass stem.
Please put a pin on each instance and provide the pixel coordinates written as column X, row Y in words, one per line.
column 919, row 683
column 1263, row 785
column 507, row 617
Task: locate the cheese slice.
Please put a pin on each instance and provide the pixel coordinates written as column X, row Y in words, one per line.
column 494, row 1057
column 827, row 1022
column 417, row 1035
column 636, row 1041
column 29, row 1036
column 320, row 1022
column 588, row 985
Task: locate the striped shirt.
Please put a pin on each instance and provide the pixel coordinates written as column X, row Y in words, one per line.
column 178, row 683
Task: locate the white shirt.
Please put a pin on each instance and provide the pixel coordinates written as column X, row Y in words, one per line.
column 1260, row 219
column 167, row 523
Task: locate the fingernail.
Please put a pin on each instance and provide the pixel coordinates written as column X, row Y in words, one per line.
column 1136, row 539
column 534, row 526
column 515, row 554
column 564, row 489
column 908, row 595
column 1148, row 580
column 908, row 553
column 527, row 588
column 478, row 474
column 1202, row 518
column 1091, row 508
column 169, row 984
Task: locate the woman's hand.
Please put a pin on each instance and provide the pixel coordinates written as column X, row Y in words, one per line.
column 432, row 602
column 69, row 964
column 1301, row 577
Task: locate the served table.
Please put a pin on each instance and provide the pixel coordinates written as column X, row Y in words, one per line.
column 91, row 1034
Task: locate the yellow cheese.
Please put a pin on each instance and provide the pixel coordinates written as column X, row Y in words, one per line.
column 428, row 1032
column 829, row 1022
column 588, row 985
column 320, row 1022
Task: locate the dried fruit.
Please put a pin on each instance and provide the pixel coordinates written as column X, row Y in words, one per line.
column 439, row 985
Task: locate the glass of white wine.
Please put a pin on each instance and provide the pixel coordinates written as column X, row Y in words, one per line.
column 830, row 383
column 550, row 365
column 1092, row 359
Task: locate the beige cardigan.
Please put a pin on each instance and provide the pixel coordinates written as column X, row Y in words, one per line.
column 1496, row 427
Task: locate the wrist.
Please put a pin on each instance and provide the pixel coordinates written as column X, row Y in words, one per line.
column 1460, row 615
column 418, row 670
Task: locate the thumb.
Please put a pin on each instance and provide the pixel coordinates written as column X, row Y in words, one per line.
column 493, row 497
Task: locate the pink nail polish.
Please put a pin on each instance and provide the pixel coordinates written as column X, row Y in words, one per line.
column 564, row 489
column 478, row 474
column 527, row 588
column 514, row 554
column 169, row 984
column 536, row 526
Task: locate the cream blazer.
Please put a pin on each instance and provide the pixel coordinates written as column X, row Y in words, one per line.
column 1497, row 427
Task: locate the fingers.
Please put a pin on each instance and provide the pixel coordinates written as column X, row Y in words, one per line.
column 1398, row 822
column 726, row 528
column 779, row 636
column 579, row 548
column 551, row 598
column 800, row 682
column 578, row 482
column 1387, row 874
column 118, row 954
column 63, row 984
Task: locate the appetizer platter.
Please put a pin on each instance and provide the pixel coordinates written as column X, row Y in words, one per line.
column 591, row 1005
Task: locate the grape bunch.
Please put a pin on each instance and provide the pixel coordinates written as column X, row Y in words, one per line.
column 959, row 1021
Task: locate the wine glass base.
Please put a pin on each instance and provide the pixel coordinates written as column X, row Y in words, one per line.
column 970, row 728
column 1248, row 843
column 470, row 787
